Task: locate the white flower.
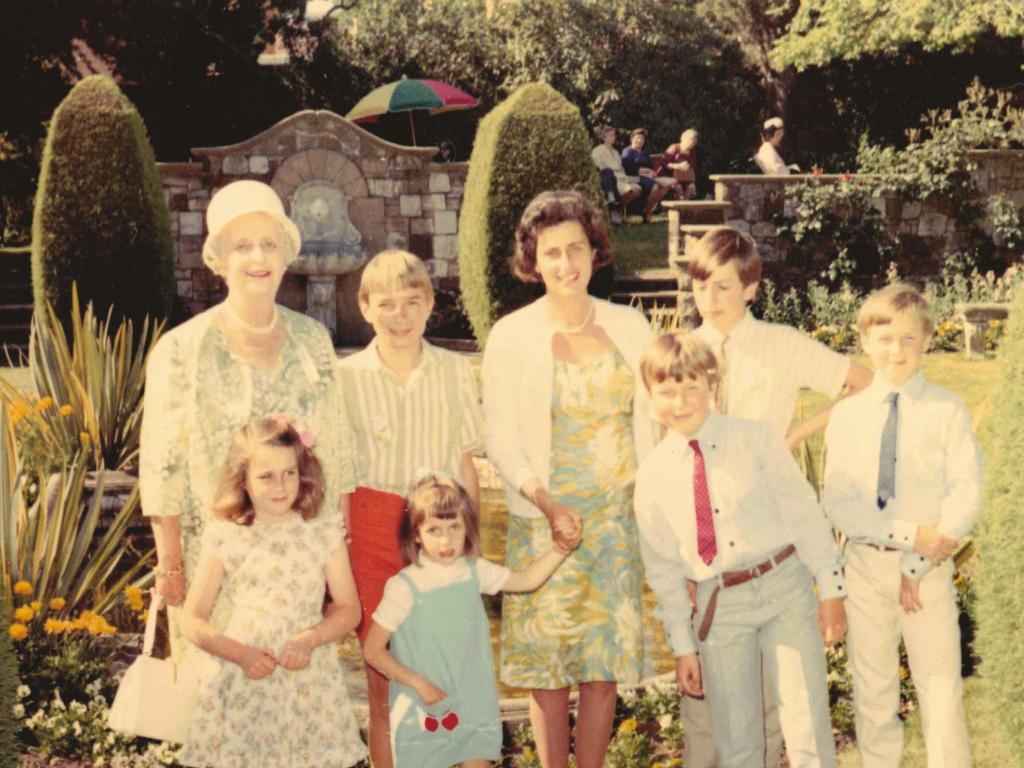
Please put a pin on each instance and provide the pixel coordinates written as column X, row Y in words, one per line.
column 58, row 702
column 77, row 728
column 665, row 721
column 78, row 708
column 18, row 710
column 23, row 691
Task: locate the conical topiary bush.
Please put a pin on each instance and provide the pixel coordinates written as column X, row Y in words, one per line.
column 100, row 218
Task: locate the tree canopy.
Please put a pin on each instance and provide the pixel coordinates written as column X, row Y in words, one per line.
column 824, row 30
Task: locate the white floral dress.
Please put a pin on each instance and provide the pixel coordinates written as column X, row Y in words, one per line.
column 300, row 719
column 199, row 393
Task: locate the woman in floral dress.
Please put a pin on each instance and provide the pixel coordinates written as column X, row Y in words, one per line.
column 568, row 470
column 243, row 358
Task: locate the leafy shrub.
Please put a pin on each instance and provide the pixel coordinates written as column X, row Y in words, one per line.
column 1000, row 539
column 9, row 747
column 100, row 217
column 532, row 142
column 88, row 393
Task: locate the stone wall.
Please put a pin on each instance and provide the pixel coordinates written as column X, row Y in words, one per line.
column 756, row 199
column 395, row 197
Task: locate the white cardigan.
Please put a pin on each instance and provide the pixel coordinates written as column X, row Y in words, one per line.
column 518, row 376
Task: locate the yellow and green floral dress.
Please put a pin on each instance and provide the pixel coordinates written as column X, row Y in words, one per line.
column 585, row 623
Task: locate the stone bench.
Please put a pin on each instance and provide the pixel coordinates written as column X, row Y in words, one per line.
column 975, row 317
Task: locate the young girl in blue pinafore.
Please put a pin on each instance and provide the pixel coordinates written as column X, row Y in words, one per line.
column 271, row 691
column 443, row 694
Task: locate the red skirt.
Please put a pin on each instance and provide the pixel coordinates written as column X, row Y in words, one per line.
column 375, row 518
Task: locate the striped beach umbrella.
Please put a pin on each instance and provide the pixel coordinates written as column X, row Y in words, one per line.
column 410, row 95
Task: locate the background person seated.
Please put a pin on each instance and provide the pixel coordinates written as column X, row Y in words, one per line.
column 618, row 188
column 768, row 158
column 680, row 161
column 638, row 163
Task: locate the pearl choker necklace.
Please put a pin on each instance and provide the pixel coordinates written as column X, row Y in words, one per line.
column 581, row 326
column 256, row 330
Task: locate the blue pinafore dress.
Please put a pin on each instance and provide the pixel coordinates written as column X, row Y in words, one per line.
column 446, row 639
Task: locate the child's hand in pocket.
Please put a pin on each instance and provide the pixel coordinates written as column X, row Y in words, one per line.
column 296, row 652
column 429, row 693
column 257, row 663
column 910, row 594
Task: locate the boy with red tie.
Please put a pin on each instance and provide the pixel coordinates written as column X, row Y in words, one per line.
column 720, row 501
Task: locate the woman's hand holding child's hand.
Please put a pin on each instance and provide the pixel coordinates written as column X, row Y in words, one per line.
column 296, row 652
column 257, row 663
column 566, row 526
column 832, row 620
column 428, row 692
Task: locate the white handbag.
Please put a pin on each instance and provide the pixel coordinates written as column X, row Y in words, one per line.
column 156, row 696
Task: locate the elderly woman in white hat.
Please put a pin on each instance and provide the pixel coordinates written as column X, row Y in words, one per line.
column 243, row 358
column 768, row 158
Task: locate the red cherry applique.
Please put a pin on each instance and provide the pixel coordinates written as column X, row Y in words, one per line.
column 430, row 723
column 450, row 721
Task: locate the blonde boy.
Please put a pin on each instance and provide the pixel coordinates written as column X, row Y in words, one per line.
column 720, row 501
column 902, row 481
column 763, row 367
column 413, row 407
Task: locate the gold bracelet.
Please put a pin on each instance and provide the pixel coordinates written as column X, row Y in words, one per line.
column 165, row 573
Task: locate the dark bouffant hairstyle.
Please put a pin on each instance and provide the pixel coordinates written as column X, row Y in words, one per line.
column 436, row 495
column 232, row 501
column 549, row 209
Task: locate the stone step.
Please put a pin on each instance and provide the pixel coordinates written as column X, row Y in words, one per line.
column 648, row 300
column 646, row 280
column 698, row 231
column 15, row 300
column 699, row 211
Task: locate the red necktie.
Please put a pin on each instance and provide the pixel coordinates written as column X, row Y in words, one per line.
column 706, row 546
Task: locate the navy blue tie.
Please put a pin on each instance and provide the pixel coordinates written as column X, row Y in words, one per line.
column 887, row 454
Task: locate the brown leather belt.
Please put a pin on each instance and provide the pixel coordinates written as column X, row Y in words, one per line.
column 880, row 548
column 734, row 579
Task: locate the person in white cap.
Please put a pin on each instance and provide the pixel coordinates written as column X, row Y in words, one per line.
column 243, row 358
column 767, row 157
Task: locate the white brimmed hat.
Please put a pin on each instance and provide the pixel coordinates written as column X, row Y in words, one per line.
column 237, row 199
column 773, row 122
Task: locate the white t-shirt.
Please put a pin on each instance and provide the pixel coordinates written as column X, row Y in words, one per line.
column 397, row 601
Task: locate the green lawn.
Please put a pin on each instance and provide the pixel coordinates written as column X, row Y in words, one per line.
column 640, row 246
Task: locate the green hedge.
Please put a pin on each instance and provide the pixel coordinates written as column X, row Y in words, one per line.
column 999, row 538
column 532, row 142
column 100, row 218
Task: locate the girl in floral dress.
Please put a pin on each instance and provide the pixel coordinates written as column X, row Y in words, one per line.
column 443, row 694
column 271, row 689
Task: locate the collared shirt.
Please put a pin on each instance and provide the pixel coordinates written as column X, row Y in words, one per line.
column 769, row 160
column 760, row 504
column 938, row 467
column 402, row 428
column 766, row 366
column 518, row 381
column 397, row 602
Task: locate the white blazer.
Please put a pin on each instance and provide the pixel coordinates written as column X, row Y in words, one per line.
column 518, row 377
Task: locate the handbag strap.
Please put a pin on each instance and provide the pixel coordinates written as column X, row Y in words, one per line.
column 150, row 639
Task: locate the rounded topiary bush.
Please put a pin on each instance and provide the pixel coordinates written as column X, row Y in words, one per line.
column 532, row 142
column 999, row 577
column 100, row 218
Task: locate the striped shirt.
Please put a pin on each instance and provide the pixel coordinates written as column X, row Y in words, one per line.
column 427, row 422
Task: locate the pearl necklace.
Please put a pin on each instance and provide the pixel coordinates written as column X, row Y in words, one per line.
column 256, row 330
column 581, row 326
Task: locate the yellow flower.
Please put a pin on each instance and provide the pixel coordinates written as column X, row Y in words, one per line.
column 134, row 597
column 54, row 626
column 44, row 403
column 66, row 410
column 24, row 614
column 84, row 438
column 36, row 605
column 528, row 753
column 903, row 672
column 22, row 588
column 628, row 725
column 18, row 632
column 18, row 411
column 57, row 603
column 144, row 615
column 93, row 623
column 993, row 323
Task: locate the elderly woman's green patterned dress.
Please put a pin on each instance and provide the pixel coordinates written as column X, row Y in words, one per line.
column 584, row 624
column 199, row 393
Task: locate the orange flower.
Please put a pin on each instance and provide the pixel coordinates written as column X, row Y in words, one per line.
column 22, row 588
column 44, row 403
column 54, row 626
column 24, row 614
column 57, row 603
column 18, row 632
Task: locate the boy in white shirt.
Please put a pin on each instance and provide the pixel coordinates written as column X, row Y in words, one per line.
column 720, row 501
column 762, row 368
column 903, row 482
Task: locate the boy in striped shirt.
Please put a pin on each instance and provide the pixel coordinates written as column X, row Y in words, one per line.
column 413, row 407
